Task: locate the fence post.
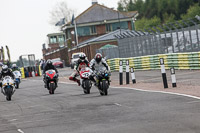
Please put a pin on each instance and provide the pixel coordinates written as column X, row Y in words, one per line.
column 173, row 77
column 127, row 71
column 120, row 72
column 164, row 77
column 133, row 75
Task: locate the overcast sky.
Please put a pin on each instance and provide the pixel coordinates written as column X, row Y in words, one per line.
column 24, row 24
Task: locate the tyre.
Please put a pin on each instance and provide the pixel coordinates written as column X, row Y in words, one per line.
column 72, row 66
column 17, row 85
column 8, row 94
column 100, row 89
column 87, row 86
column 105, row 87
column 51, row 88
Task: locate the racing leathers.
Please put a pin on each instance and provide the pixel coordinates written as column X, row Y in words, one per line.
column 7, row 73
column 79, row 65
column 102, row 65
column 46, row 68
column 16, row 69
column 98, row 66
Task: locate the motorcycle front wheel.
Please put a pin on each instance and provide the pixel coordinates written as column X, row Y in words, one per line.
column 104, row 88
column 8, row 94
column 86, row 86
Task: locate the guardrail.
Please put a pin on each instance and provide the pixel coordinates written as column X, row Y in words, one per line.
column 189, row 60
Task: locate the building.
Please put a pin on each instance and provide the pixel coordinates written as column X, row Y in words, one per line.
column 57, row 47
column 96, row 21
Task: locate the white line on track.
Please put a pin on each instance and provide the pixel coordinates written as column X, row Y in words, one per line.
column 68, row 83
column 118, row 104
column 164, row 92
column 179, row 94
column 12, row 120
column 19, row 130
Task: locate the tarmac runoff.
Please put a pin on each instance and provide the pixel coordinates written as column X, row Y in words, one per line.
column 143, row 90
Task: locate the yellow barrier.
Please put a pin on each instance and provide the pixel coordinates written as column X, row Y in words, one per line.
column 22, row 72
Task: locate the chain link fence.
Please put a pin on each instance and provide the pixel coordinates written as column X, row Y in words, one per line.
column 171, row 38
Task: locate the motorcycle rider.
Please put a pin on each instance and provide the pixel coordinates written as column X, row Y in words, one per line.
column 97, row 63
column 15, row 68
column 6, row 72
column 49, row 65
column 81, row 63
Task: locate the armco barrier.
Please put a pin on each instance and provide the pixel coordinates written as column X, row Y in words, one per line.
column 189, row 60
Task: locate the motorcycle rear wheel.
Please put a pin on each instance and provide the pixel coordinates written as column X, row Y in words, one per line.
column 51, row 88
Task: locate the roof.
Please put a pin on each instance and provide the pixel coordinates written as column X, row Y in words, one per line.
column 55, row 34
column 98, row 12
column 106, row 37
column 108, row 46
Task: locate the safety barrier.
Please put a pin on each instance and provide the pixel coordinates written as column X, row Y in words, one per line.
column 31, row 71
column 189, row 60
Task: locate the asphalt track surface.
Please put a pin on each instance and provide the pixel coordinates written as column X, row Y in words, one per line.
column 33, row 110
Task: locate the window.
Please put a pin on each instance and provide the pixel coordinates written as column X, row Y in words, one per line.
column 83, row 31
column 122, row 25
column 53, row 39
column 68, row 34
column 108, row 28
column 93, row 30
column 61, row 38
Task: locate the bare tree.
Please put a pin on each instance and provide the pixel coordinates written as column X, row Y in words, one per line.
column 60, row 11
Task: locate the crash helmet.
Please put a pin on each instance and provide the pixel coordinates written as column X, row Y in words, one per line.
column 82, row 56
column 49, row 62
column 98, row 57
column 5, row 68
column 14, row 65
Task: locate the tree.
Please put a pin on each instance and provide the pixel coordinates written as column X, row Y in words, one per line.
column 60, row 11
column 167, row 18
column 131, row 6
column 192, row 12
column 122, row 5
column 145, row 23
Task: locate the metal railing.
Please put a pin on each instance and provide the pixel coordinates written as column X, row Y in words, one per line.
column 175, row 37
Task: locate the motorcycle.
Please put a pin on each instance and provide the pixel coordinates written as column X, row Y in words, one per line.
column 8, row 87
column 103, row 81
column 85, row 81
column 51, row 78
column 17, row 78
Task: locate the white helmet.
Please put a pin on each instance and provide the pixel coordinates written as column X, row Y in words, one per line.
column 5, row 68
column 14, row 65
column 82, row 56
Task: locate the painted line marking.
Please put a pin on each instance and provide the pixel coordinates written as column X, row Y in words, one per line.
column 164, row 92
column 12, row 120
column 67, row 83
column 194, row 102
column 118, row 104
column 19, row 130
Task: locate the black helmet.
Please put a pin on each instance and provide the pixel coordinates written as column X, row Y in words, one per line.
column 98, row 57
column 82, row 56
column 49, row 62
